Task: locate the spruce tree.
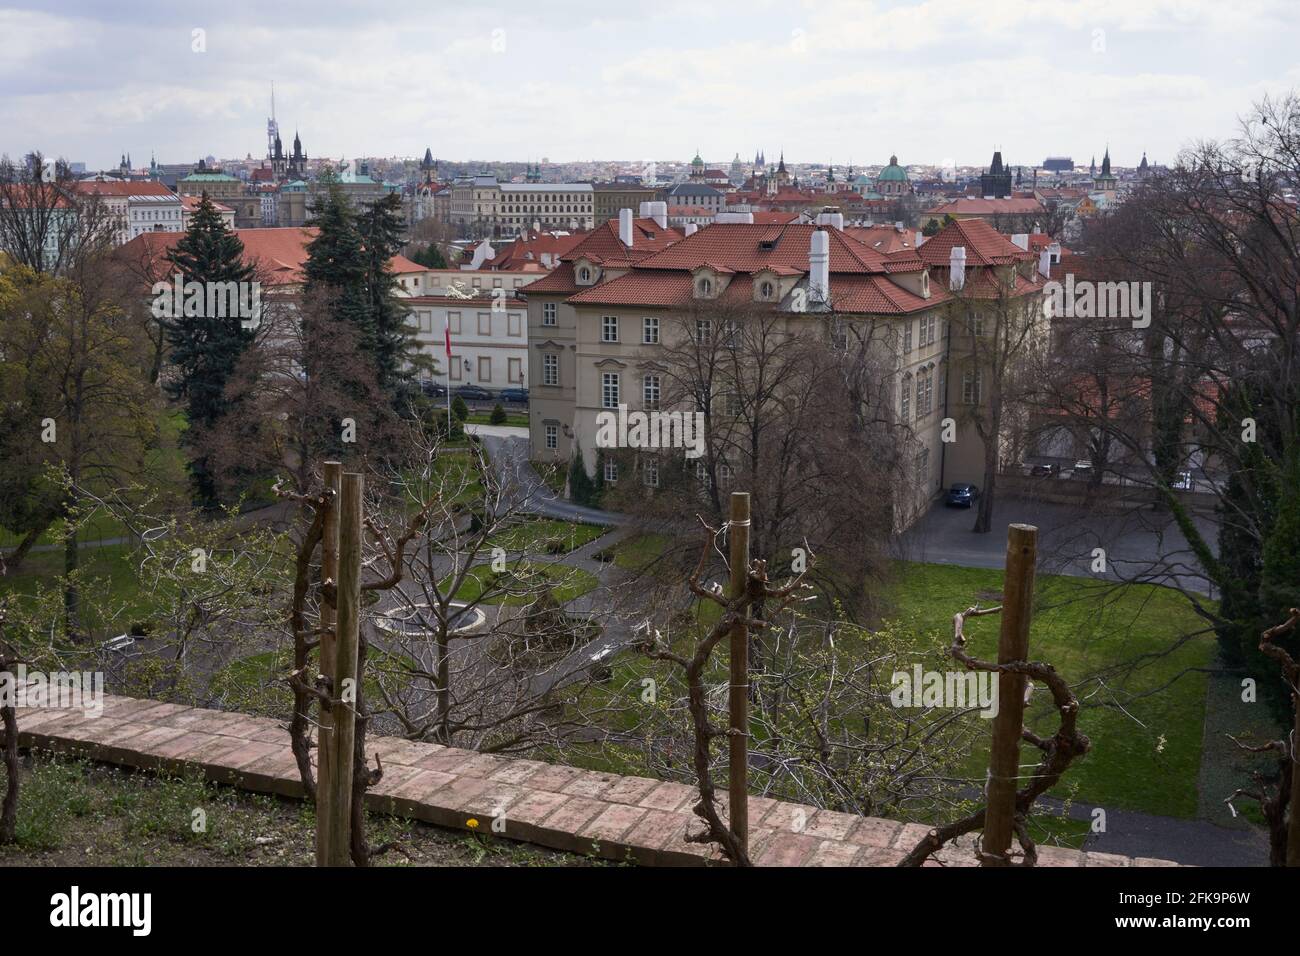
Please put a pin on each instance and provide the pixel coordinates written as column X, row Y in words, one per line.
column 390, row 338
column 205, row 348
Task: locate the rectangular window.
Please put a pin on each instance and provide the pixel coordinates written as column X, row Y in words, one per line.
column 703, row 331
column 905, row 400
column 515, row 370
column 972, row 387
column 907, row 336
column 552, row 436
column 611, row 472
column 484, row 369
column 548, row 313
column 609, row 389
column 609, row 328
column 485, row 323
column 454, row 367
column 512, row 323
column 977, row 323
column 454, row 319
column 650, row 472
column 550, row 369
column 651, row 391
column 650, row 330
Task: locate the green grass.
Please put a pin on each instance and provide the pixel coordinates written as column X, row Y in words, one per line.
column 545, row 535
column 566, row 583
column 637, row 551
column 485, row 418
column 255, row 684
column 1146, row 750
column 553, row 474
column 108, row 575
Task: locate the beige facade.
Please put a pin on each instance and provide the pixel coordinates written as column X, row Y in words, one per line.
column 489, row 339
column 512, row 208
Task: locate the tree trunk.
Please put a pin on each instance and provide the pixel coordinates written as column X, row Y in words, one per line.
column 14, row 559
column 9, row 809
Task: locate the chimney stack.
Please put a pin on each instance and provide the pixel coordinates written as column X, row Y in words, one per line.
column 625, row 227
column 1055, row 250
column 690, row 229
column 819, row 267
column 920, row 239
column 645, row 210
column 957, row 268
column 659, row 213
column 1021, row 239
column 1045, row 263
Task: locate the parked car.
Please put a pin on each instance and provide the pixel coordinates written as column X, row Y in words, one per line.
column 473, row 392
column 514, row 395
column 434, row 389
column 1044, row 471
column 1184, row 481
column 962, row 495
column 1083, row 468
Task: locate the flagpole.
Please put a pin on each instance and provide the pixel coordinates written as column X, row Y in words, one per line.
column 446, row 321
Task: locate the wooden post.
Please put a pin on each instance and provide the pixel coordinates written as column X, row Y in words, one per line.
column 1293, row 825
column 325, row 660
column 738, row 765
column 345, row 668
column 1008, row 723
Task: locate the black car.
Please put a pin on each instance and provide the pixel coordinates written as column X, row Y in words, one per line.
column 473, row 392
column 1044, row 471
column 514, row 395
column 433, row 389
column 962, row 495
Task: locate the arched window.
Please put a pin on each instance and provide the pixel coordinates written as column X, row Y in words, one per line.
column 766, row 289
column 584, row 274
column 705, row 287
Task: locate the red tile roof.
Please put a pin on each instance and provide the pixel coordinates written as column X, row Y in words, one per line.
column 984, row 245
column 95, row 187
column 748, row 247
column 603, row 246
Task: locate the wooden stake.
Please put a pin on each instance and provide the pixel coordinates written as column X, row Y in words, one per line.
column 1293, row 825
column 325, row 658
column 345, row 668
column 1008, row 723
column 738, row 765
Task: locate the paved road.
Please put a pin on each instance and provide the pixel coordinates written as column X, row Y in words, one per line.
column 1139, row 544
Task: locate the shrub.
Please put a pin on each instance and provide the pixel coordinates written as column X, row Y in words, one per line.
column 498, row 416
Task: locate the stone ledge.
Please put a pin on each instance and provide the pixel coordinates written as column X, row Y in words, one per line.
column 636, row 819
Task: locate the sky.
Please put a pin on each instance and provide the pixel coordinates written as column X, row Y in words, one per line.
column 824, row 80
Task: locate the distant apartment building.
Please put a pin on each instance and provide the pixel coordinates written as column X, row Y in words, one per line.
column 611, row 197
column 190, row 205
column 487, row 206
column 489, row 336
column 217, row 185
column 136, row 206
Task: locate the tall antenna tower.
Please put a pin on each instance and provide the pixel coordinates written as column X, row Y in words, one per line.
column 272, row 127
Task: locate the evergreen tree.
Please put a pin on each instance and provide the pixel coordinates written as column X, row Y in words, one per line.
column 391, row 339
column 431, row 257
column 205, row 348
column 581, row 487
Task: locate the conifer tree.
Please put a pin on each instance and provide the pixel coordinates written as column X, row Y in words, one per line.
column 205, row 349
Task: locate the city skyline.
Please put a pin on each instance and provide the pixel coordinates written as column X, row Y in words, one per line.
column 506, row 81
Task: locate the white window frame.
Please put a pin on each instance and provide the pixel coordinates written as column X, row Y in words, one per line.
column 550, row 368
column 610, row 389
column 609, row 328
column 549, row 310
column 650, row 330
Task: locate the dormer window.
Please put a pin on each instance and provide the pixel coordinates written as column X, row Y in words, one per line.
column 704, row 287
column 766, row 290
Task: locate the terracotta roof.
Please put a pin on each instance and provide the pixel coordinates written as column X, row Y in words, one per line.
column 884, row 239
column 191, row 203
column 984, row 245
column 747, row 247
column 559, row 279
column 95, row 187
column 603, row 246
column 971, row 206
column 278, row 253
column 402, row 265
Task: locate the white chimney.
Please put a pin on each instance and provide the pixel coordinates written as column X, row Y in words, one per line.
column 832, row 219
column 1045, row 263
column 537, row 226
column 898, row 225
column 546, row 260
column 482, row 253
column 645, row 210
column 957, row 268
column 1055, row 250
column 734, row 217
column 1021, row 239
column 625, row 227
column 659, row 213
column 920, row 239
column 690, row 229
column 819, row 267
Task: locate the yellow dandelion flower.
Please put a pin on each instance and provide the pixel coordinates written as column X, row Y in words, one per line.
column 472, row 823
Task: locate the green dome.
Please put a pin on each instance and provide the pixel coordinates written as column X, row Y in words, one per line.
column 893, row 173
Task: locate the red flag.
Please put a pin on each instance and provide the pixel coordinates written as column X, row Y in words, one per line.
column 446, row 324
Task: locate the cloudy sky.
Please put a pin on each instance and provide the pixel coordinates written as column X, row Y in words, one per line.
column 824, row 80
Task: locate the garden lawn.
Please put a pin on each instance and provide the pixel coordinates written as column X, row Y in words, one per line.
column 566, row 583
column 545, row 536
column 1146, row 750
